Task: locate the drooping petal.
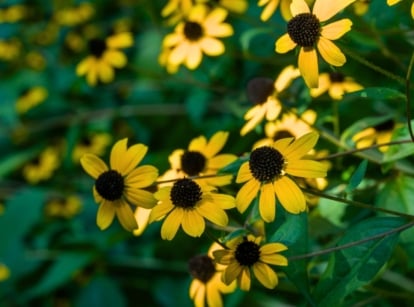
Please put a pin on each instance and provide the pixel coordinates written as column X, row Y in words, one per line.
column 93, row 165
column 246, row 194
column 126, row 216
column 141, row 177
column 142, row 217
column 141, row 198
column 336, row 29
column 330, row 52
column 106, row 72
column 256, row 117
column 179, row 53
column 105, row 215
column 223, row 256
column 267, row 203
column 160, row 210
column 308, row 66
column 244, row 173
column 232, row 271
column 115, row 58
column 193, row 223
column 200, row 296
column 265, row 275
column 306, row 169
column 84, row 66
column 223, row 200
column 216, row 143
column 213, row 295
column 300, row 146
column 299, row 7
column 285, row 78
column 274, row 107
column 171, row 224
column 245, row 279
column 325, row 9
column 272, row 248
column 269, row 9
column 213, row 213
column 289, row 195
column 284, row 44
column 324, row 84
column 212, row 46
column 194, row 56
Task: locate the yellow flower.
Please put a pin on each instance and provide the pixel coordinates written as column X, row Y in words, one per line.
column 290, row 125
column 4, row 272
column 31, row 98
column 121, row 185
column 187, row 203
column 9, row 49
column 207, row 285
column 245, row 254
column 197, row 35
column 42, row 167
column 105, row 56
column 308, row 31
column 336, row 84
column 66, row 207
column 265, row 94
column 200, row 159
column 393, row 2
column 267, row 170
column 13, row 13
column 378, row 134
column 72, row 16
column 95, row 144
column 270, row 6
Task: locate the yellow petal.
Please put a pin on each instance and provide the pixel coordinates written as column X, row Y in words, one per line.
column 298, row 7
column 213, row 295
column 269, row 9
column 105, row 215
column 308, row 66
column 198, row 144
column 142, row 217
column 125, row 160
column 306, row 169
column 244, row 173
column 215, row 144
column 160, row 210
column 105, row 72
column 392, row 2
column 126, row 217
column 213, row 213
column 285, row 78
column 336, row 29
column 223, row 200
column 232, row 271
column 115, row 58
column 330, row 52
column 179, row 53
column 246, row 194
column 140, row 198
column 284, row 44
column 256, row 117
column 171, row 224
column 282, row 144
column 324, row 85
column 267, row 205
column 120, row 40
column 141, row 177
column 245, row 279
column 274, row 259
column 212, row 46
column 93, row 165
column 272, row 248
column 216, row 16
column 193, row 223
column 265, row 275
column 194, row 56
column 289, row 195
column 325, row 9
column 83, row 67
column 300, row 146
column 220, row 161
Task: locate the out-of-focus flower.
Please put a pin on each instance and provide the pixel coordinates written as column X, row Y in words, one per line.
column 236, row 6
column 121, row 185
column 95, row 143
column 197, row 35
column 35, row 60
column 336, row 84
column 9, row 49
column 187, row 203
column 43, row 166
column 246, row 254
column 13, row 13
column 63, row 207
column 270, row 6
column 72, row 16
column 264, row 93
column 31, row 98
column 104, row 58
column 268, row 171
column 309, row 31
column 207, row 285
column 378, row 134
column 361, row 6
column 202, row 158
column 4, row 272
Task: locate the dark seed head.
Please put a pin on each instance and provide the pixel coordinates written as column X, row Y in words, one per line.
column 193, row 162
column 110, row 185
column 281, row 134
column 97, row 47
column 266, row 163
column 335, row 76
column 259, row 89
column 202, row 268
column 185, row 193
column 193, row 31
column 304, row 29
column 385, row 126
column 247, row 253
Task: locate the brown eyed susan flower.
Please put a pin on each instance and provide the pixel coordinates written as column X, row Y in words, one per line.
column 197, row 35
column 309, row 31
column 336, row 84
column 120, row 185
column 378, row 134
column 105, row 57
column 246, row 254
column 264, row 93
column 207, row 285
column 187, row 203
column 202, row 158
column 267, row 171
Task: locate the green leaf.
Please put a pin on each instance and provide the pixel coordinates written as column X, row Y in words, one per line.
column 357, row 176
column 379, row 93
column 294, row 234
column 396, row 152
column 353, row 267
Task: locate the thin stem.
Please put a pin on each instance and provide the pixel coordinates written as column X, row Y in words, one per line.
column 352, row 244
column 408, row 97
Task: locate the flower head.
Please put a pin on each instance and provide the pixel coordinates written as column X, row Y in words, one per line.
column 43, row 166
column 378, row 134
column 105, row 56
column 202, row 158
column 207, row 285
column 336, row 84
column 307, row 29
column 120, row 185
column 187, row 203
column 267, row 171
column 196, row 35
column 264, row 93
column 246, row 254
column 31, row 98
column 64, row 207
